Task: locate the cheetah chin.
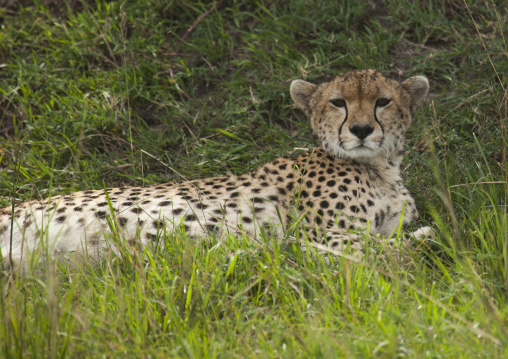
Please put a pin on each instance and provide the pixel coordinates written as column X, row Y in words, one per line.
column 348, row 184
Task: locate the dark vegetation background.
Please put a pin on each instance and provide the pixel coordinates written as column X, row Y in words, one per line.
column 107, row 93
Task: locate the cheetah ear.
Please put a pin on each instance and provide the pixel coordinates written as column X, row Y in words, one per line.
column 301, row 91
column 417, row 87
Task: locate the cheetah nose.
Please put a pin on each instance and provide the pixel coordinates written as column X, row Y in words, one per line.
column 361, row 131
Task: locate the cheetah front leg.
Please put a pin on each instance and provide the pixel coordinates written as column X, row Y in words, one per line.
column 334, row 240
column 339, row 241
column 421, row 235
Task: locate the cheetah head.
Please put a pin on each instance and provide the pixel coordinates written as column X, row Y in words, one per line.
column 361, row 115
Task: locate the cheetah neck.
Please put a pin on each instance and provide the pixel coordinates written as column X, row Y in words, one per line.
column 386, row 169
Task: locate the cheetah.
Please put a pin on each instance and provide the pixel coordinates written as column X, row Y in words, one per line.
column 350, row 182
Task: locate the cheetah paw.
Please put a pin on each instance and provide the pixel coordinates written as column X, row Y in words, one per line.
column 423, row 234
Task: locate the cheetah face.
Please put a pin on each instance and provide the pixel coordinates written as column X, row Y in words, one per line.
column 360, row 115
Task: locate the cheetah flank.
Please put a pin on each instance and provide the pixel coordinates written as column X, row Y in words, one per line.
column 351, row 179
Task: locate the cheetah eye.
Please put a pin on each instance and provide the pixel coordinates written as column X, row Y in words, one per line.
column 383, row 102
column 338, row 102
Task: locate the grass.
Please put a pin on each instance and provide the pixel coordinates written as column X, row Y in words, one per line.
column 101, row 94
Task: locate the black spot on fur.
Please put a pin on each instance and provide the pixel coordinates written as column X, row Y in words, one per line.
column 190, row 217
column 122, row 221
column 211, row 228
column 136, row 210
column 158, row 224
column 151, row 236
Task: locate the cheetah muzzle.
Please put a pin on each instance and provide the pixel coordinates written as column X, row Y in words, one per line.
column 349, row 183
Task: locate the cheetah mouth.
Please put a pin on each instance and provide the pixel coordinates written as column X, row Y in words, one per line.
column 356, row 145
column 360, row 148
column 364, row 147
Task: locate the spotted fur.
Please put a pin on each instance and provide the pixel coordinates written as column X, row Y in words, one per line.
column 349, row 182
